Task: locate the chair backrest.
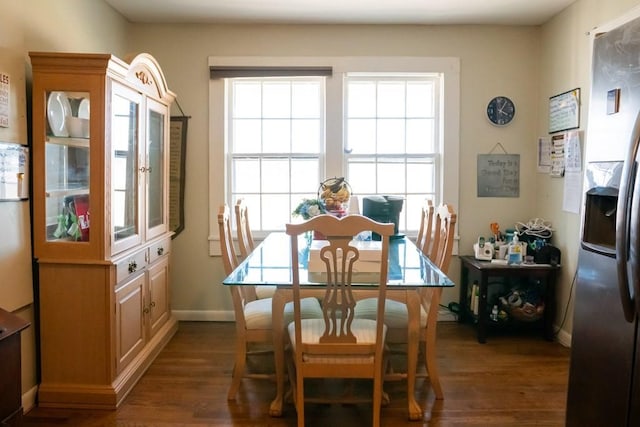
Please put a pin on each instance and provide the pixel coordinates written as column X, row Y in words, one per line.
column 229, row 258
column 245, row 237
column 227, row 251
column 339, row 256
column 425, row 232
column 444, row 231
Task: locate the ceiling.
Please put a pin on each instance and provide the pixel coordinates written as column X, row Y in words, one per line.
column 430, row 12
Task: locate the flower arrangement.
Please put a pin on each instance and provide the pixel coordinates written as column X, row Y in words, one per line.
column 309, row 208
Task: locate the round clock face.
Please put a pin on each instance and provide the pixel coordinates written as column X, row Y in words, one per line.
column 501, row 110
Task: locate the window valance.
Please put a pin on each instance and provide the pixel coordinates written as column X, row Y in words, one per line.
column 230, row 71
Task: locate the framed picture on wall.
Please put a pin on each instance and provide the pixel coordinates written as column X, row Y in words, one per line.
column 178, row 147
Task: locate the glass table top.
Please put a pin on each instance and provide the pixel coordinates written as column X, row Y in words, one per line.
column 270, row 264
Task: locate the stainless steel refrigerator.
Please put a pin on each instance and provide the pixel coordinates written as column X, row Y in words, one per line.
column 604, row 377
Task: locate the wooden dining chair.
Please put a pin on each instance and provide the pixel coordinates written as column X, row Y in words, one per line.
column 253, row 315
column 245, row 236
column 396, row 312
column 338, row 345
column 425, row 232
column 246, row 243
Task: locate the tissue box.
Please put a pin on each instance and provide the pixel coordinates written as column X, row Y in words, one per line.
column 365, row 270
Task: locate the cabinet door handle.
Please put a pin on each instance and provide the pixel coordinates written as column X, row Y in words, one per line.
column 160, row 250
column 143, row 169
column 146, row 310
column 153, row 304
column 133, row 266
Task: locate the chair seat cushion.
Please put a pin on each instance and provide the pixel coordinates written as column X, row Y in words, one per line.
column 265, row 291
column 395, row 312
column 312, row 329
column 257, row 314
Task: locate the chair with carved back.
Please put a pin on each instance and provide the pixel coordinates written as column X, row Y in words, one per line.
column 425, row 232
column 246, row 243
column 253, row 316
column 338, row 345
column 396, row 312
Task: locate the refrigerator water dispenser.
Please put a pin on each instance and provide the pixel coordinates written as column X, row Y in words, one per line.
column 603, row 183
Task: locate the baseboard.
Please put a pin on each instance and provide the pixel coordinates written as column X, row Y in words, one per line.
column 29, row 399
column 204, row 315
column 445, row 315
column 563, row 337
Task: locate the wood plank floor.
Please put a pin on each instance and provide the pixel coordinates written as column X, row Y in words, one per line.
column 512, row 380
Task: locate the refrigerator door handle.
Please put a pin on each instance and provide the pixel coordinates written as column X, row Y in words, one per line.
column 626, row 243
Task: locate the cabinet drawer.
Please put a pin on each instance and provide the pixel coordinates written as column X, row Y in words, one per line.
column 158, row 249
column 130, row 265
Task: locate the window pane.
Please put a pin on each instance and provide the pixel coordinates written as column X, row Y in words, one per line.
column 304, row 175
column 391, row 101
column 391, row 179
column 420, row 99
column 361, row 136
column 412, row 207
column 305, row 136
column 246, row 99
column 276, row 212
column 361, row 176
column 390, row 136
column 420, row 136
column 247, row 136
column 276, row 100
column 275, row 176
column 420, row 177
column 246, row 173
column 276, row 136
column 361, row 99
column 305, row 100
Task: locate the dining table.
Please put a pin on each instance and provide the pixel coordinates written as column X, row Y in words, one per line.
column 269, row 264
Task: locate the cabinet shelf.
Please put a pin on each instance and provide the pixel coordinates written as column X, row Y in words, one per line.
column 64, row 192
column 68, row 142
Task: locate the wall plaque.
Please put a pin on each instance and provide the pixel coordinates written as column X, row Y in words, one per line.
column 498, row 175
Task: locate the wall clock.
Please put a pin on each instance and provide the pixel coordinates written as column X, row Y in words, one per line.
column 501, row 110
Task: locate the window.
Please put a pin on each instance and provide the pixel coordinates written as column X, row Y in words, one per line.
column 391, row 124
column 275, row 145
column 380, row 122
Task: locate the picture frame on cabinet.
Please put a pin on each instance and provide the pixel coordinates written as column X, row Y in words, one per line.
column 177, row 160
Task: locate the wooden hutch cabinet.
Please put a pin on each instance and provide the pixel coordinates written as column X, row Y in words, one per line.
column 100, row 223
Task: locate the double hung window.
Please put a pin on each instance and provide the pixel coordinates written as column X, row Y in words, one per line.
column 382, row 123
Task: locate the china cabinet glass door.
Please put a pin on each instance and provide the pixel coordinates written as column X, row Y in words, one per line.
column 67, row 174
column 155, row 169
column 125, row 168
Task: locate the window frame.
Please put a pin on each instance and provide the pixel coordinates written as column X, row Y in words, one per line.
column 448, row 141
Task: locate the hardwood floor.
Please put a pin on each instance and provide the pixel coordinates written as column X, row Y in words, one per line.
column 512, row 380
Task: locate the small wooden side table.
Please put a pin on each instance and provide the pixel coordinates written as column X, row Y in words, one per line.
column 470, row 266
column 10, row 372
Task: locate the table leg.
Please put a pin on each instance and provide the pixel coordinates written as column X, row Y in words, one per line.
column 482, row 308
column 413, row 331
column 279, row 300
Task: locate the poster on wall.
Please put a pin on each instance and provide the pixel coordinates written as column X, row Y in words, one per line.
column 178, row 144
column 498, row 175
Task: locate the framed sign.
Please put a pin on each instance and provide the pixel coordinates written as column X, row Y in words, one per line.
column 564, row 111
column 178, row 149
column 498, row 175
